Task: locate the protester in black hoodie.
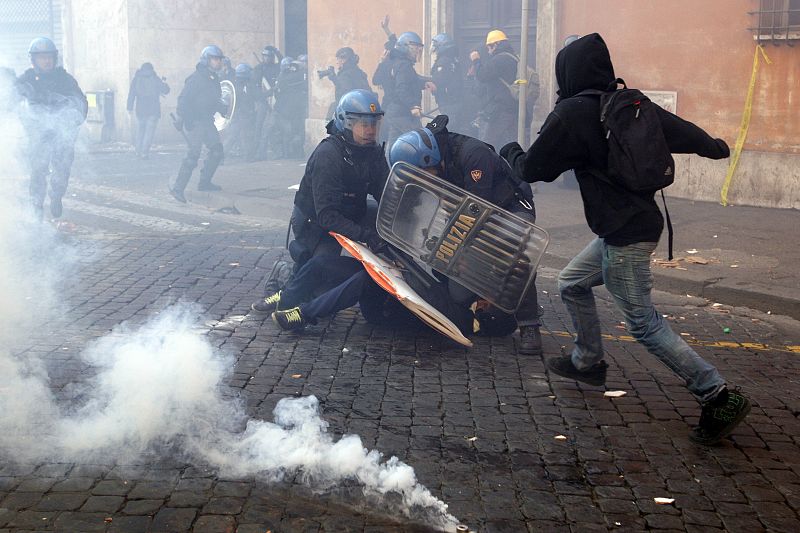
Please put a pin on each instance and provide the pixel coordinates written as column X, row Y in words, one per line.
column 628, row 226
column 145, row 95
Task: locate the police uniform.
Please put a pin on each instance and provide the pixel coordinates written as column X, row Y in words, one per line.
column 199, row 100
column 499, row 113
column 265, row 75
column 333, row 196
column 448, row 76
column 402, row 88
column 57, row 109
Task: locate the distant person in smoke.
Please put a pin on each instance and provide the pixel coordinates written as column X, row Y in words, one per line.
column 291, row 98
column 346, row 77
column 56, row 109
column 145, row 94
column 199, row 100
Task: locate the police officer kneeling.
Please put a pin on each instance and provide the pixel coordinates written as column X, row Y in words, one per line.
column 344, row 168
column 474, row 166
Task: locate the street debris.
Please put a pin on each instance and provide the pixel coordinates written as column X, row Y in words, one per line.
column 726, row 330
column 296, row 376
column 692, row 251
column 229, row 210
column 233, row 264
column 560, row 437
column 614, row 393
column 664, row 501
column 471, row 439
column 294, row 187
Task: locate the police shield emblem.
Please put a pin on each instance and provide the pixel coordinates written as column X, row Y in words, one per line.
column 476, row 175
column 488, row 250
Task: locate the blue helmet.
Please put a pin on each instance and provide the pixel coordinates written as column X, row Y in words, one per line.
column 405, row 41
column 356, row 105
column 418, row 148
column 286, row 62
column 243, row 70
column 210, row 51
column 441, row 43
column 42, row 45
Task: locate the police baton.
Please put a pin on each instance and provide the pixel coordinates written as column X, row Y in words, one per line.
column 178, row 123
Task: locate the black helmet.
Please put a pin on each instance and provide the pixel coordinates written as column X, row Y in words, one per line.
column 442, row 43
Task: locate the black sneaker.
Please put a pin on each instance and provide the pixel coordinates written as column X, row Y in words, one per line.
column 562, row 366
column 289, row 320
column 267, row 304
column 55, row 207
column 530, row 341
column 719, row 417
column 208, row 187
column 178, row 195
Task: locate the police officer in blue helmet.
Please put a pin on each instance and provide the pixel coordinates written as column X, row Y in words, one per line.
column 345, row 168
column 199, row 100
column 402, row 86
column 56, row 109
column 474, row 166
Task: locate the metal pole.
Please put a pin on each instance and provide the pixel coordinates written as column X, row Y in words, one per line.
column 522, row 72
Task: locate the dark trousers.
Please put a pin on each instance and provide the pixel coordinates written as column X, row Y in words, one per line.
column 201, row 134
column 50, row 148
column 499, row 128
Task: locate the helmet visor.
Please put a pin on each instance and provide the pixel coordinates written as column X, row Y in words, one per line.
column 365, row 128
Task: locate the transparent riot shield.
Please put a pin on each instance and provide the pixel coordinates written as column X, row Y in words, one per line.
column 486, row 249
column 229, row 99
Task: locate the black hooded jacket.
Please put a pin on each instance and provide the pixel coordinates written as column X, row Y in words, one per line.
column 448, row 76
column 145, row 93
column 339, row 175
column 572, row 138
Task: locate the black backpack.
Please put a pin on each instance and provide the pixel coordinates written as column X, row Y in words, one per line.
column 639, row 158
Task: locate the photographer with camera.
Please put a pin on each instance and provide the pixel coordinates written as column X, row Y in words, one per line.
column 348, row 77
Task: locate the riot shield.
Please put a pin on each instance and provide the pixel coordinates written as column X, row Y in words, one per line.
column 229, row 98
column 488, row 250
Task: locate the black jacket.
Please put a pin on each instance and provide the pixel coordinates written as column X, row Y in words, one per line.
column 291, row 92
column 266, row 76
column 334, row 188
column 474, row 166
column 145, row 93
column 200, row 97
column 448, row 76
column 402, row 87
column 349, row 78
column 572, row 138
column 54, row 92
column 491, row 72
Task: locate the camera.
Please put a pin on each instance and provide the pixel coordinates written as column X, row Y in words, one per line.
column 327, row 73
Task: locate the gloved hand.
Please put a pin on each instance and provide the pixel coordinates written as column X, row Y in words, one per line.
column 374, row 242
column 723, row 147
column 509, row 149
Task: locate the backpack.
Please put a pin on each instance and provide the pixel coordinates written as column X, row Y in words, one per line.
column 530, row 88
column 639, row 158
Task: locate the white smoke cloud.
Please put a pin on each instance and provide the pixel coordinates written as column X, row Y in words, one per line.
column 157, row 388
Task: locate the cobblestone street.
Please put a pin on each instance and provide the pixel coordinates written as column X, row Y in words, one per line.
column 506, row 446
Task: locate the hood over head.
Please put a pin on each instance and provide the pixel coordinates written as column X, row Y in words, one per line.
column 584, row 64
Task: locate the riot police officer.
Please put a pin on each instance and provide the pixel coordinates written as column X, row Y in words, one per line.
column 345, row 167
column 265, row 76
column 448, row 77
column 57, row 108
column 239, row 136
column 474, row 166
column 402, row 86
column 291, row 98
column 199, row 100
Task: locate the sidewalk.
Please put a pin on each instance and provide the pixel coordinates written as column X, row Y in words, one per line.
column 739, row 256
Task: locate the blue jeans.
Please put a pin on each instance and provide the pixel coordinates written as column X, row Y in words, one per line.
column 144, row 134
column 625, row 271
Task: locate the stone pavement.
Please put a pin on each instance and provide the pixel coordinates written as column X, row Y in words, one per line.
column 508, row 447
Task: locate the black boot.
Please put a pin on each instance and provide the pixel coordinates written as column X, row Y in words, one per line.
column 55, row 207
column 720, row 416
column 178, row 195
column 562, row 366
column 530, row 341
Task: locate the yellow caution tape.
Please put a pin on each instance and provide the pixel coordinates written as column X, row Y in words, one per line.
column 756, row 346
column 748, row 108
